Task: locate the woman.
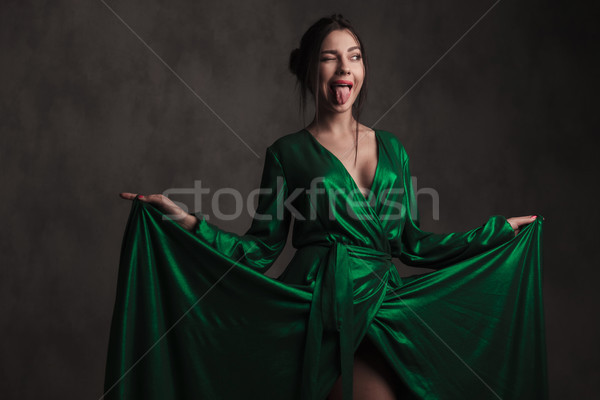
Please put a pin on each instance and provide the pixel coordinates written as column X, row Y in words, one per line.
column 340, row 320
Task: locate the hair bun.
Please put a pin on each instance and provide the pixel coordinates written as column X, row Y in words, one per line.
column 294, row 58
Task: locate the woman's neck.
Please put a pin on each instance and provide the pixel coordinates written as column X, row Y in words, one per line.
column 333, row 123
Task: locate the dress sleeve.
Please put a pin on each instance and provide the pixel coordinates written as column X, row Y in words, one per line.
column 264, row 241
column 436, row 250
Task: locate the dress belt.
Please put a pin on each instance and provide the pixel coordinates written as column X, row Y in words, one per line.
column 332, row 309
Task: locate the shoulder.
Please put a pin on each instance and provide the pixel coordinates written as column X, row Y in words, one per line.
column 288, row 140
column 288, row 146
column 393, row 143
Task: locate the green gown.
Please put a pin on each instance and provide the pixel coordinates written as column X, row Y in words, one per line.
column 195, row 316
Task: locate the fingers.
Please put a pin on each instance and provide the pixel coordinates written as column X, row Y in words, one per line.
column 526, row 219
column 127, row 195
column 162, row 202
column 156, row 198
column 518, row 222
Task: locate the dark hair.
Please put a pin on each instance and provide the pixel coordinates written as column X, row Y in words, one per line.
column 304, row 63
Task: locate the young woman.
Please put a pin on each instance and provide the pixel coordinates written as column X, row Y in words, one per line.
column 340, row 321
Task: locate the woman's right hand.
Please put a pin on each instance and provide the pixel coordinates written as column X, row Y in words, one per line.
column 164, row 204
column 517, row 222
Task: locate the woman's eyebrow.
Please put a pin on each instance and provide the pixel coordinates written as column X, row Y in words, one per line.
column 335, row 51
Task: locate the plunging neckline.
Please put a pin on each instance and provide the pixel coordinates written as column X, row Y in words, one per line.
column 374, row 182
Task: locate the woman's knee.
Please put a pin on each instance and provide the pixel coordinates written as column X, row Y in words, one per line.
column 373, row 377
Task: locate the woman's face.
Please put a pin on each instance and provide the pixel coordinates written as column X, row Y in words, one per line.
column 341, row 71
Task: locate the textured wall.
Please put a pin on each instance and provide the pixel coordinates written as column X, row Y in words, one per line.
column 501, row 124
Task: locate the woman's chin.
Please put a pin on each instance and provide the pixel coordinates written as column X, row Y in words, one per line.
column 342, row 107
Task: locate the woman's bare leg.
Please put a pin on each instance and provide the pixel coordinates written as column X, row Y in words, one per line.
column 373, row 378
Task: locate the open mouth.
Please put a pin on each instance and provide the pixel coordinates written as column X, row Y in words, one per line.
column 335, row 85
column 341, row 91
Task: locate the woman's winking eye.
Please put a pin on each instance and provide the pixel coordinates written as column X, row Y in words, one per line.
column 356, row 57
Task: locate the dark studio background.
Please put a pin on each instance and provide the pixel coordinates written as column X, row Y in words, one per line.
column 501, row 125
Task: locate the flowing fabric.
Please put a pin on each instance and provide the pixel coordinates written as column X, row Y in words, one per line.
column 196, row 317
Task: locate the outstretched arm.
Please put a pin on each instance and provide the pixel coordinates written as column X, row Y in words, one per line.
column 263, row 242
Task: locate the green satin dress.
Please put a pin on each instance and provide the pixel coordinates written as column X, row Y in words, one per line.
column 195, row 316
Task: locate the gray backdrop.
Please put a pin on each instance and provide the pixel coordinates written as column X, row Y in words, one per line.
column 497, row 121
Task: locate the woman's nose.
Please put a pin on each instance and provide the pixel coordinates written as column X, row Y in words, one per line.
column 343, row 69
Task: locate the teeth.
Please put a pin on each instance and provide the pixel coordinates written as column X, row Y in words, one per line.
column 341, row 84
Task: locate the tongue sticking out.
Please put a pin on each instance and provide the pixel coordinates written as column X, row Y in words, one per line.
column 341, row 94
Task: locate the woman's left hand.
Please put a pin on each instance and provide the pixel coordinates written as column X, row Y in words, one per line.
column 517, row 222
